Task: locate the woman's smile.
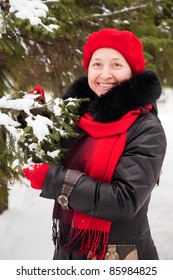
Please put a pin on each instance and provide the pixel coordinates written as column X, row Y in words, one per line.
column 107, row 85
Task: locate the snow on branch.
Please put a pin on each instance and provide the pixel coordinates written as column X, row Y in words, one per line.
column 33, row 10
column 124, row 10
column 22, row 104
column 35, row 130
column 6, row 120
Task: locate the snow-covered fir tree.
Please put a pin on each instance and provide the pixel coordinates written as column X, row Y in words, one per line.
column 34, row 127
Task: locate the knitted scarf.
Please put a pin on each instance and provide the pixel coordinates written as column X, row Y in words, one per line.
column 100, row 154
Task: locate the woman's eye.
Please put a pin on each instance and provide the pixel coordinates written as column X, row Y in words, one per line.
column 117, row 65
column 96, row 64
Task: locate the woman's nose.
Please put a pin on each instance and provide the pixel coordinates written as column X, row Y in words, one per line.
column 106, row 73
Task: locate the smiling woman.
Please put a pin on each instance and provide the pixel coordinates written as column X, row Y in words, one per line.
column 107, row 68
column 102, row 187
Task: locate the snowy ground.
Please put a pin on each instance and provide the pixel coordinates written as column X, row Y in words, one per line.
column 26, row 226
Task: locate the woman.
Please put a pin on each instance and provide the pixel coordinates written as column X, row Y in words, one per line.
column 103, row 186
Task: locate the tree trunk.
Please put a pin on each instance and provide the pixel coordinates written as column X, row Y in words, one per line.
column 3, row 196
column 3, row 172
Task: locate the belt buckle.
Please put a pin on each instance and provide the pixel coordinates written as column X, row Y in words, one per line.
column 111, row 253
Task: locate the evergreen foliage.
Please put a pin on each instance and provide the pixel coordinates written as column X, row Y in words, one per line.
column 50, row 53
column 34, row 130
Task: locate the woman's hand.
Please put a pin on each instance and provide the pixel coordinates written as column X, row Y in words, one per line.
column 36, row 173
column 39, row 91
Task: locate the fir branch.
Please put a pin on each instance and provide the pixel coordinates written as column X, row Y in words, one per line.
column 124, row 10
column 34, row 131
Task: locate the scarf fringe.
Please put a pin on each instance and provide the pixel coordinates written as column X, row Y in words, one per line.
column 92, row 242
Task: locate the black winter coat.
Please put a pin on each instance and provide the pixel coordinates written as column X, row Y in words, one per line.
column 125, row 200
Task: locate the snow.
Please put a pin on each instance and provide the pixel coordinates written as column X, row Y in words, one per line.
column 26, row 103
column 26, row 226
column 29, row 9
column 33, row 10
column 33, row 136
column 4, row 119
column 38, row 122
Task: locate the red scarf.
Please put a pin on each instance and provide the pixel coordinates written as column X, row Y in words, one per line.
column 104, row 147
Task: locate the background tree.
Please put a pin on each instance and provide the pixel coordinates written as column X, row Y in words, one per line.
column 43, row 44
column 36, row 53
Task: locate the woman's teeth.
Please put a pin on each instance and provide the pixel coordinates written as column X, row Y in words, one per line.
column 106, row 85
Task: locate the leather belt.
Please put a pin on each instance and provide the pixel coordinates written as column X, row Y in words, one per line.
column 111, row 253
column 119, row 252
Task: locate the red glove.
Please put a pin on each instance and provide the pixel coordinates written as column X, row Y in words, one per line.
column 36, row 173
column 39, row 90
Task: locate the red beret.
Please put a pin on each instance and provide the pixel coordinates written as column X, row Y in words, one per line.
column 124, row 42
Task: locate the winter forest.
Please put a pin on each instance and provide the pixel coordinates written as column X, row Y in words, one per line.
column 41, row 45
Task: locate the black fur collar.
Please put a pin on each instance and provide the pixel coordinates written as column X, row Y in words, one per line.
column 140, row 90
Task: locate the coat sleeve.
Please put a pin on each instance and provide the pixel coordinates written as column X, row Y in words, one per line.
column 134, row 178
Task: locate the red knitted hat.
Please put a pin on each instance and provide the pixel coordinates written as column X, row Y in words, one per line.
column 124, row 42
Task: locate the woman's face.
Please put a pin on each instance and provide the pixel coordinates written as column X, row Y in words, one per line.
column 107, row 68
